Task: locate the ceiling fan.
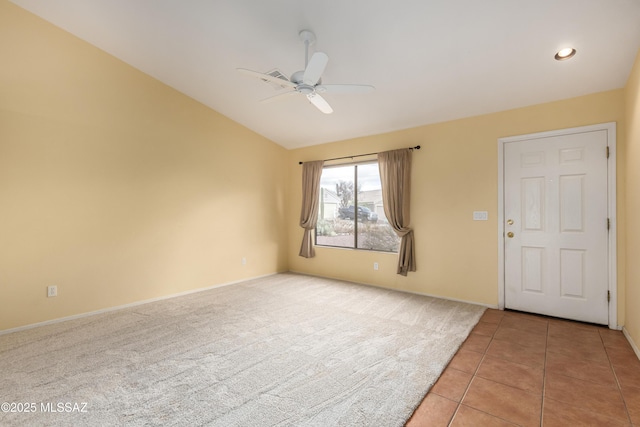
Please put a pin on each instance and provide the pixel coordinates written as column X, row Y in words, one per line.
column 308, row 81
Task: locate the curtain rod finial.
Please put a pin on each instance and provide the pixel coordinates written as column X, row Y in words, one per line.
column 299, row 163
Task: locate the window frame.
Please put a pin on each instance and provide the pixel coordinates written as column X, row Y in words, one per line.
column 356, row 205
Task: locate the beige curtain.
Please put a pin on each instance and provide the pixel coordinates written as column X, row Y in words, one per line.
column 311, row 173
column 395, row 175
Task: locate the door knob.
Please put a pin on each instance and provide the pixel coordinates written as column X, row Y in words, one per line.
column 510, row 222
column 510, row 234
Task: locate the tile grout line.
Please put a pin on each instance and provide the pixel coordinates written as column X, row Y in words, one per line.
column 615, row 376
column 473, row 376
column 608, row 343
column 544, row 373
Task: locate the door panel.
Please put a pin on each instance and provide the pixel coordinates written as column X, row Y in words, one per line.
column 556, row 237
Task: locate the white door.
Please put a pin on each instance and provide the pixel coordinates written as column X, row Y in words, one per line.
column 556, row 226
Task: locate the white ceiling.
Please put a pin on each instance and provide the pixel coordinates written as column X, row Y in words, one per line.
column 430, row 60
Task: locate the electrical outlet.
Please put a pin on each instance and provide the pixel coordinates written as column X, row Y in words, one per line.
column 52, row 291
column 375, row 265
column 244, row 261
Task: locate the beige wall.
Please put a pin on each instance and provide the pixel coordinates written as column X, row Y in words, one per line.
column 116, row 188
column 632, row 105
column 454, row 173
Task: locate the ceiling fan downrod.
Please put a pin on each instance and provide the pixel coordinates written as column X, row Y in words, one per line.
column 308, row 39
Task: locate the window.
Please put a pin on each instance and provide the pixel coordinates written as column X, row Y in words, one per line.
column 351, row 213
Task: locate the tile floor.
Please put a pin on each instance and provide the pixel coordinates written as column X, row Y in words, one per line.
column 527, row 370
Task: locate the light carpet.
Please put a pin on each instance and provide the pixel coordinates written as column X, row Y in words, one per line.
column 287, row 349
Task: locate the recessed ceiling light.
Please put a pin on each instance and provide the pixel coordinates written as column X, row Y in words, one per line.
column 565, row 53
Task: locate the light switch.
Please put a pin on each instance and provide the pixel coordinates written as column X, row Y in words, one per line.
column 480, row 215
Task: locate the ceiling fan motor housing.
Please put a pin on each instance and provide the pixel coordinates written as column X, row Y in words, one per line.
column 298, row 77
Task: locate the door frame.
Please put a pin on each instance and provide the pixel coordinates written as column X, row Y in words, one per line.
column 611, row 209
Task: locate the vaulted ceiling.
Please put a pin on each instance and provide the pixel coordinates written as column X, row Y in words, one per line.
column 429, row 60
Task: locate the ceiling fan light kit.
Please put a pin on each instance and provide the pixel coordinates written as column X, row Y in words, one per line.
column 308, row 82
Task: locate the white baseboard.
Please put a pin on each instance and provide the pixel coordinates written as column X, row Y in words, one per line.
column 399, row 290
column 133, row 304
column 633, row 344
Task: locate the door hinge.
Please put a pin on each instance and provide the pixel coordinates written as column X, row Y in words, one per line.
column 608, row 224
column 608, row 296
column 607, row 151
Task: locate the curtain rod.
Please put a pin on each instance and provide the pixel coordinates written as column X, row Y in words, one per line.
column 417, row 147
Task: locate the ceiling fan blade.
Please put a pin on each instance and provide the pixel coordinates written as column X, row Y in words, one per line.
column 267, row 77
column 278, row 97
column 320, row 103
column 345, row 88
column 315, row 68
